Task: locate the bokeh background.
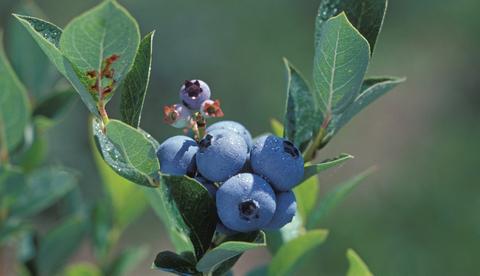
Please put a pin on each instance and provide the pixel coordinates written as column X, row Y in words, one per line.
column 418, row 215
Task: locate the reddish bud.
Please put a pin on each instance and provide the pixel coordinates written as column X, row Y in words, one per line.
column 211, row 109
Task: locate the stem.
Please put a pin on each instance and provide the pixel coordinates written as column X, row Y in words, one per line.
column 199, row 125
column 103, row 112
column 312, row 147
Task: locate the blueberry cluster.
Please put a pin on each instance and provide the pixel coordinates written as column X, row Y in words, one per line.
column 251, row 181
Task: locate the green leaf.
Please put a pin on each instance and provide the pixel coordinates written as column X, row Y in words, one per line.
column 306, row 195
column 333, row 198
column 59, row 244
column 277, row 127
column 366, row 15
column 47, row 37
column 289, row 255
column 128, row 201
column 187, row 211
column 340, row 63
column 357, row 266
column 28, row 60
column 14, row 107
column 372, row 89
column 43, row 188
column 311, row 170
column 106, row 30
column 174, row 263
column 134, row 88
column 196, row 208
column 127, row 260
column 128, row 152
column 299, row 122
column 55, row 105
column 215, row 257
column 82, row 269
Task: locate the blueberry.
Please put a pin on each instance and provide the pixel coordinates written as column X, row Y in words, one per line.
column 235, row 127
column 211, row 188
column 278, row 160
column 177, row 115
column 245, row 202
column 177, row 155
column 221, row 155
column 193, row 93
column 285, row 211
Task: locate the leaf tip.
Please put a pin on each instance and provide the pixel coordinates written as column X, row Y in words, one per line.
column 347, row 156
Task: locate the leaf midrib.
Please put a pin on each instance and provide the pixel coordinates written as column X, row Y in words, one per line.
column 332, row 77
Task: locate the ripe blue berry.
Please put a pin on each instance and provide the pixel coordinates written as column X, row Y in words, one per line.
column 245, row 202
column 286, row 208
column 193, row 93
column 176, row 155
column 221, row 154
column 235, row 127
column 278, row 160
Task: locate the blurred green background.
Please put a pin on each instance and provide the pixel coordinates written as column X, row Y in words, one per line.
column 418, row 215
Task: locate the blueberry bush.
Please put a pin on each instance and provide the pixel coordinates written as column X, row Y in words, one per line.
column 218, row 191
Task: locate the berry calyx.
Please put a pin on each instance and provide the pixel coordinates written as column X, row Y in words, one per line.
column 211, row 109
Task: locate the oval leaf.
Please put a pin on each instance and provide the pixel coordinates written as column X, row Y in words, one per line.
column 128, row 152
column 284, row 262
column 366, row 15
column 47, row 36
column 340, row 63
column 134, row 87
column 98, row 34
column 215, row 257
